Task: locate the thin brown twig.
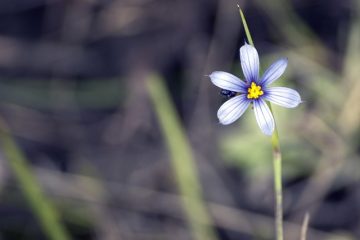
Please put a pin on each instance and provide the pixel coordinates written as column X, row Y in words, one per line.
column 305, row 226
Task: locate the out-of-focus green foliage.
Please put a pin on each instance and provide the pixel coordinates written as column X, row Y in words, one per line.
column 43, row 209
column 182, row 159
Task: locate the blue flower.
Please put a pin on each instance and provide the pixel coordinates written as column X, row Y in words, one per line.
column 254, row 90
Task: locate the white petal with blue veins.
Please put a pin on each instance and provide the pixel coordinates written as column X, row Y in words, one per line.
column 264, row 117
column 232, row 109
column 274, row 71
column 249, row 59
column 227, row 81
column 285, row 97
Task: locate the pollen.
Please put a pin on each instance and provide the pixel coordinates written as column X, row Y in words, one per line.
column 254, row 91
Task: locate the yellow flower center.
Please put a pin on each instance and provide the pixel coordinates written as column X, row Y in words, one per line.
column 254, row 91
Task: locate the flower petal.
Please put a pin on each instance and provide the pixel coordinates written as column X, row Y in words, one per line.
column 249, row 62
column 264, row 117
column 285, row 97
column 232, row 109
column 228, row 81
column 274, row 71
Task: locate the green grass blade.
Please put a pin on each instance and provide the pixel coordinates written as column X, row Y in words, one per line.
column 42, row 208
column 182, row 160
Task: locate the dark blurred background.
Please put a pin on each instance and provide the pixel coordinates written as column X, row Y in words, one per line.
column 73, row 92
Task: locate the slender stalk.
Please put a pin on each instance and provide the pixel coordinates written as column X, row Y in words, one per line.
column 247, row 32
column 275, row 143
column 277, row 182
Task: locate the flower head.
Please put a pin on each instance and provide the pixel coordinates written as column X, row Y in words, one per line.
column 254, row 90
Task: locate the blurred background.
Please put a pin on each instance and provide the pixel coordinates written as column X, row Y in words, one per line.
column 84, row 120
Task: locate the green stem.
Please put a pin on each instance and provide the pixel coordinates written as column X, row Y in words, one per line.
column 247, row 32
column 275, row 143
column 277, row 182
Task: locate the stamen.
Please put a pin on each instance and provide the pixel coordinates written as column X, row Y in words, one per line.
column 254, row 91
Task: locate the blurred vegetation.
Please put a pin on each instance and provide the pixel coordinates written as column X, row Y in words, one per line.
column 184, row 167
column 42, row 208
column 73, row 90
